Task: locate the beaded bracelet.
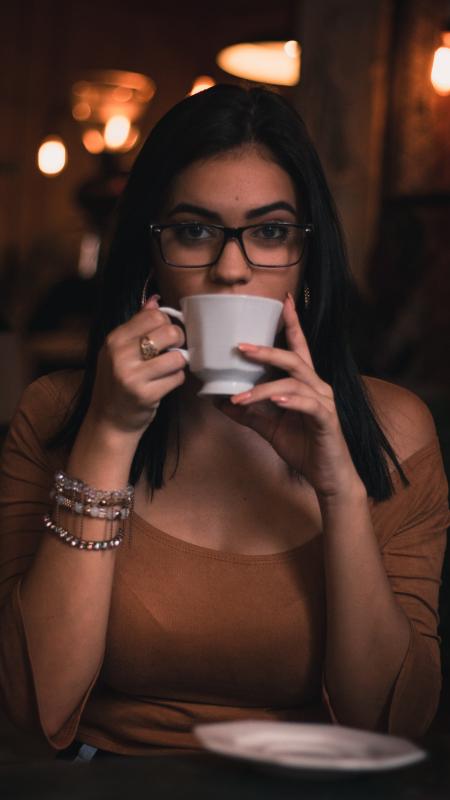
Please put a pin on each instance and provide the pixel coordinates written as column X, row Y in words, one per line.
column 82, row 544
column 77, row 497
column 82, row 492
column 98, row 512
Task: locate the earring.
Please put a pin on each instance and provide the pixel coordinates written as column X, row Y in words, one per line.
column 307, row 296
column 144, row 297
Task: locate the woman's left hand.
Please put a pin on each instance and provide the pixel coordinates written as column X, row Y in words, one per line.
column 297, row 414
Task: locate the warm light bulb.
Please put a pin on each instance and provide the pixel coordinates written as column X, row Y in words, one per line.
column 52, row 156
column 292, row 49
column 440, row 71
column 264, row 62
column 81, row 111
column 131, row 140
column 117, row 130
column 93, row 141
column 121, row 94
column 201, row 83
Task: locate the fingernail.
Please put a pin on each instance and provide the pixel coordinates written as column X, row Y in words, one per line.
column 241, row 398
column 290, row 298
column 152, row 301
column 248, row 348
column 279, row 399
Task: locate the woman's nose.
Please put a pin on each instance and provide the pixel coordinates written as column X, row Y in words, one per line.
column 232, row 266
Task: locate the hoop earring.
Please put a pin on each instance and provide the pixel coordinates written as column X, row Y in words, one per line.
column 306, row 296
column 144, row 297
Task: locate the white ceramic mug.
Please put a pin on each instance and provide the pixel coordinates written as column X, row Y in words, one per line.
column 215, row 324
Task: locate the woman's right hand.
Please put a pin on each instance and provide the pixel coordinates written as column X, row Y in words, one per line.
column 127, row 389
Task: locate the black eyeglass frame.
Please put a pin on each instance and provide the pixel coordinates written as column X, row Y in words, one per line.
column 229, row 233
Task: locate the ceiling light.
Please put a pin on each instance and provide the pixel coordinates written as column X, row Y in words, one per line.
column 264, row 62
column 108, row 104
column 440, row 71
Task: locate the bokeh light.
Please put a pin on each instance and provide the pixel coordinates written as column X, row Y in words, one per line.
column 93, row 141
column 440, row 72
column 117, row 130
column 81, row 111
column 52, row 156
column 292, row 48
column 201, row 83
column 263, row 62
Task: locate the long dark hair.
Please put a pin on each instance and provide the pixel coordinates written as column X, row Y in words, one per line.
column 211, row 122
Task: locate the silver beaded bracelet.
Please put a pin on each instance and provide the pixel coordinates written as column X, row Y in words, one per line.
column 75, row 496
column 98, row 512
column 82, row 544
column 76, row 490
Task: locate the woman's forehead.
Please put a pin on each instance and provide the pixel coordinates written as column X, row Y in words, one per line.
column 248, row 175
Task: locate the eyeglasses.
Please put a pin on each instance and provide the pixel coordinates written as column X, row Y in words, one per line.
column 196, row 244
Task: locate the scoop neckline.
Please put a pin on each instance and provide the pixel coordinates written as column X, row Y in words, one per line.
column 169, row 540
column 175, row 543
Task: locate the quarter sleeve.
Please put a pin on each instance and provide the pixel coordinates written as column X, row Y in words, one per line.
column 411, row 530
column 26, row 476
column 413, row 557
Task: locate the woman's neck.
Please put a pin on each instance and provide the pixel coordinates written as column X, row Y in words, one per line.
column 200, row 416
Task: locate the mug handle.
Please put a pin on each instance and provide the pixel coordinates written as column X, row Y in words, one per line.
column 172, row 312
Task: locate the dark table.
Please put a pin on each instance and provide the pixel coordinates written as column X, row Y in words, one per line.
column 208, row 777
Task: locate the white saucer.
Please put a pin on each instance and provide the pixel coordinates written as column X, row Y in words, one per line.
column 325, row 749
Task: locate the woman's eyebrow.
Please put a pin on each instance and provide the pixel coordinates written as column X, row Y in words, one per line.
column 193, row 209
column 281, row 205
column 190, row 208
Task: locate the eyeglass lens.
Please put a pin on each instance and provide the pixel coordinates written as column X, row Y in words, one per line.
column 196, row 245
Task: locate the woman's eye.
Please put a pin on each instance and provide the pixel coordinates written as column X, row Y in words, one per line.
column 194, row 232
column 271, row 231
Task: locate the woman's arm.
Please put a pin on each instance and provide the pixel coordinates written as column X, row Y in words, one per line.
column 366, row 607
column 367, row 631
column 368, row 628
column 54, row 600
column 66, row 622
column 60, row 596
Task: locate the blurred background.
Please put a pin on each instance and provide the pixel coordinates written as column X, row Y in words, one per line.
column 94, row 77
column 82, row 84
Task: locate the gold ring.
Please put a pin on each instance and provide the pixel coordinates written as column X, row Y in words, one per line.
column 148, row 348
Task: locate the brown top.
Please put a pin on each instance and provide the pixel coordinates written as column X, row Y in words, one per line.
column 198, row 635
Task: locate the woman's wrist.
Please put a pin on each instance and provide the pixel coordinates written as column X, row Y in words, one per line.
column 102, row 455
column 352, row 495
column 108, row 434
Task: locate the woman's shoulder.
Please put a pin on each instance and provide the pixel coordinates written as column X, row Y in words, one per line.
column 405, row 419
column 42, row 410
column 49, row 398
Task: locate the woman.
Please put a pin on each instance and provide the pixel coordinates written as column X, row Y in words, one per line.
column 285, row 546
